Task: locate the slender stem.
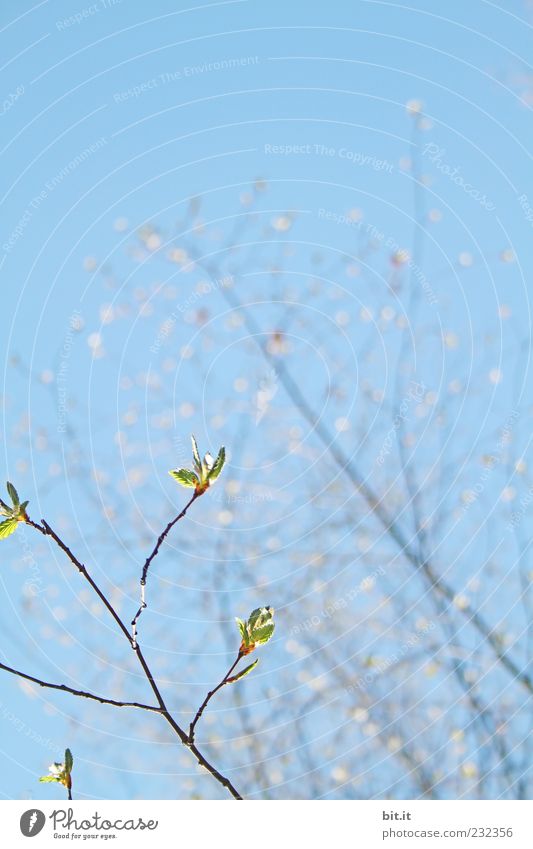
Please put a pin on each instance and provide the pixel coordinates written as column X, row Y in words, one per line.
column 148, row 561
column 164, row 533
column 209, row 696
column 84, row 694
column 46, row 530
column 202, row 760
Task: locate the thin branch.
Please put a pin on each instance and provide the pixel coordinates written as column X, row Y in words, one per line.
column 209, row 696
column 84, row 694
column 389, row 523
column 164, row 533
column 46, row 530
column 148, row 561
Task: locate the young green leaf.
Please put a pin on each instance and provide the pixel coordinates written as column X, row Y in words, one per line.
column 8, row 527
column 207, row 465
column 185, row 477
column 4, row 509
column 13, row 494
column 217, row 466
column 259, row 618
column 255, row 616
column 60, row 772
column 257, row 630
column 69, row 761
column 245, row 671
column 196, row 455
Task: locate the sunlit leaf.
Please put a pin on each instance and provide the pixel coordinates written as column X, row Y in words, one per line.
column 242, row 626
column 4, row 509
column 196, row 454
column 245, row 671
column 218, row 465
column 8, row 527
column 260, row 617
column 207, row 465
column 69, row 761
column 263, row 635
column 257, row 630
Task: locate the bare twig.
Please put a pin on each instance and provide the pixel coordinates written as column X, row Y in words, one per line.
column 391, row 524
column 148, row 561
column 209, row 696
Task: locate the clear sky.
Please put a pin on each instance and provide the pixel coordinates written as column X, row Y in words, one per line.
column 115, row 116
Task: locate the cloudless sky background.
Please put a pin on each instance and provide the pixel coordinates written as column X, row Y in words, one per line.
column 132, row 83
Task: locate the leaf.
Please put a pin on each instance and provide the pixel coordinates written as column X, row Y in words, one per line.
column 4, row 509
column 13, row 494
column 196, row 455
column 207, row 464
column 69, row 761
column 242, row 627
column 46, row 779
column 56, row 769
column 263, row 635
column 8, row 527
column 245, row 671
column 217, row 466
column 245, row 632
column 185, row 477
column 22, row 508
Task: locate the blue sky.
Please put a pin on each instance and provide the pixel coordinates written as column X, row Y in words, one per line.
column 115, row 116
